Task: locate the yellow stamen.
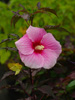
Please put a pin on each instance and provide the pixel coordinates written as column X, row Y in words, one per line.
column 39, row 47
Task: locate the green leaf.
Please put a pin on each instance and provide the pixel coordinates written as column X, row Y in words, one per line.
column 16, row 67
column 4, row 55
column 71, row 84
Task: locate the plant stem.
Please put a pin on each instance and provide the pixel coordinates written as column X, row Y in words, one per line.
column 27, row 23
column 22, row 85
column 32, row 82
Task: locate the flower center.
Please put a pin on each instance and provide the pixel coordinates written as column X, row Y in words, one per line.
column 39, row 47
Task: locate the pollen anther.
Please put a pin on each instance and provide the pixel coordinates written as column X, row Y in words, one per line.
column 39, row 47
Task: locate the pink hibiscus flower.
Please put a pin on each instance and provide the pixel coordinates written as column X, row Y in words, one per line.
column 38, row 49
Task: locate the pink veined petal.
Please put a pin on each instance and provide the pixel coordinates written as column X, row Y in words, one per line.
column 33, row 60
column 35, row 33
column 50, row 58
column 24, row 45
column 51, row 43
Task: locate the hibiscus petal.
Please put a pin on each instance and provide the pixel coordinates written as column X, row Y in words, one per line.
column 35, row 33
column 24, row 45
column 34, row 60
column 50, row 42
column 50, row 58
